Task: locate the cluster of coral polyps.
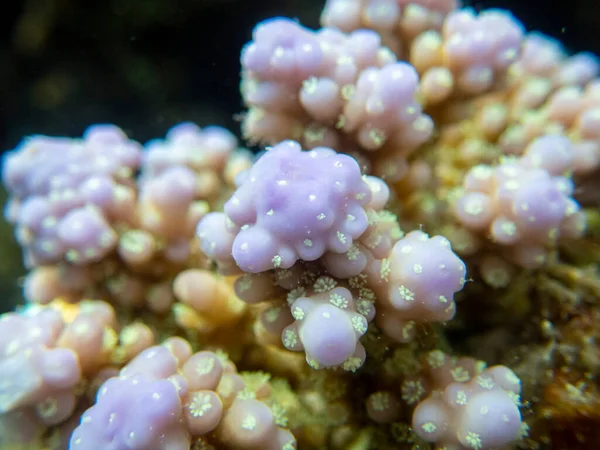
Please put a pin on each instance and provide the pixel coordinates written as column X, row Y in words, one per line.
column 186, row 294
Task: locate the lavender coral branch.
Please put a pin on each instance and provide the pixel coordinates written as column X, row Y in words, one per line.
column 293, row 205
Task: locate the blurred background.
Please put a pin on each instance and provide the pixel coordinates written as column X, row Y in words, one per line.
column 146, row 65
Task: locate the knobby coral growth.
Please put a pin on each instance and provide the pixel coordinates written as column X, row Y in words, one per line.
column 423, row 191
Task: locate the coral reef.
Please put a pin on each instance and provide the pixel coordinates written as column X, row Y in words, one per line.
column 419, row 208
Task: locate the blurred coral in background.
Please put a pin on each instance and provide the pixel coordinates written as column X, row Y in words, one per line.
column 401, row 249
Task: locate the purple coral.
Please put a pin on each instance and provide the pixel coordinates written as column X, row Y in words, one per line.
column 167, row 396
column 34, row 373
column 384, row 107
column 44, row 358
column 141, row 407
column 484, row 43
column 469, row 409
column 180, row 176
column 188, row 145
column 327, row 88
column 470, row 55
column 133, row 413
column 66, row 193
column 202, row 152
column 416, row 283
column 397, row 21
column 328, row 327
column 248, row 424
column 526, row 201
column 47, row 352
column 540, row 55
column 292, row 205
column 281, row 48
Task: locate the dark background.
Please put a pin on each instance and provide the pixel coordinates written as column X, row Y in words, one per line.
column 148, row 64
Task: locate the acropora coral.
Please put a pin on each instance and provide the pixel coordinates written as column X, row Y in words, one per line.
column 421, row 193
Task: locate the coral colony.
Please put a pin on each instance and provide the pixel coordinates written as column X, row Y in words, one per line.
column 421, row 163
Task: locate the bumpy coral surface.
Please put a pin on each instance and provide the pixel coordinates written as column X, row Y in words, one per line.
column 425, row 189
column 294, row 205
